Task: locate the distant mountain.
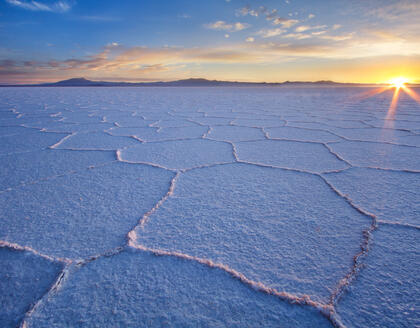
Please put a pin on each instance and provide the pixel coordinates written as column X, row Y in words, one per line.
column 72, row 82
column 193, row 82
column 80, row 82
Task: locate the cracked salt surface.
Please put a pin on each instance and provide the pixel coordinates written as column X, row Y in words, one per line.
column 379, row 155
column 83, row 213
column 307, row 156
column 392, row 195
column 386, row 293
column 137, row 289
column 208, row 207
column 180, row 154
column 30, row 141
column 161, row 134
column 93, row 141
column 25, row 278
column 226, row 213
column 30, row 167
column 290, row 133
column 235, row 133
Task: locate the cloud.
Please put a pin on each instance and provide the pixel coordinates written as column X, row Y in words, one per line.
column 152, row 68
column 286, row 23
column 310, row 16
column 338, row 37
column 270, row 15
column 247, row 11
column 297, row 36
column 385, row 35
column 304, row 28
column 118, row 62
column 268, row 33
column 56, row 7
column 318, row 33
column 297, row 50
column 219, row 25
column 93, row 18
column 394, row 11
column 223, row 26
column 112, row 45
column 240, row 26
column 336, row 26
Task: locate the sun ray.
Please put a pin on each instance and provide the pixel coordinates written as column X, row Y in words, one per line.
column 412, row 94
column 372, row 93
column 389, row 119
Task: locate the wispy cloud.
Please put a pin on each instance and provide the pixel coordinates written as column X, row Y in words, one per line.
column 223, row 26
column 395, row 11
column 268, row 33
column 56, row 7
column 342, row 37
column 297, row 36
column 247, row 11
column 304, row 28
column 286, row 23
column 316, row 33
column 95, row 18
column 119, row 62
column 269, row 14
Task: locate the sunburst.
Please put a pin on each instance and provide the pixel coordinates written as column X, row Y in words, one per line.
column 398, row 82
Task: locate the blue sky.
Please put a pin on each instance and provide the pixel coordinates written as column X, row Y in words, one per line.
column 260, row 40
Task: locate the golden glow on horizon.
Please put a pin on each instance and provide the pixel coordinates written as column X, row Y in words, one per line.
column 399, row 82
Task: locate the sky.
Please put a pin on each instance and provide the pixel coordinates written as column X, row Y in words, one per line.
column 369, row 41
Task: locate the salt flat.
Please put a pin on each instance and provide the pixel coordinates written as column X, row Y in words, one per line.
column 237, row 207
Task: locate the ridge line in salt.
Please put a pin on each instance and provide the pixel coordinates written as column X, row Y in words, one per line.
column 62, row 140
column 398, row 224
column 364, row 247
column 305, row 300
column 54, row 288
column 337, row 155
column 17, row 247
column 131, row 235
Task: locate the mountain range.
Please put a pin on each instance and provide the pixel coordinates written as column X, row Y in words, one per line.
column 193, row 82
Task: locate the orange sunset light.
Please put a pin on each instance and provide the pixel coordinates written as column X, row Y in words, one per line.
column 398, row 82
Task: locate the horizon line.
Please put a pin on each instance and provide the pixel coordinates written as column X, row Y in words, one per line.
column 198, row 79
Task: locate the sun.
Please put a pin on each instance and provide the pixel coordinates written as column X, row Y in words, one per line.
column 398, row 82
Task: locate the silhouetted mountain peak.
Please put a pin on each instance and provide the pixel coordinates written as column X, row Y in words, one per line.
column 191, row 82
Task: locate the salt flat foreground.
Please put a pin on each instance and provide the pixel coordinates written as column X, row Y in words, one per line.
column 208, row 207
